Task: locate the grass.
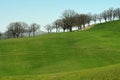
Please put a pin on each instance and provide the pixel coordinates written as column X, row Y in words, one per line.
column 87, row 55
column 111, row 72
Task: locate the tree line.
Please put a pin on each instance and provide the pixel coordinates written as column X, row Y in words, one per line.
column 71, row 19
column 20, row 29
column 68, row 20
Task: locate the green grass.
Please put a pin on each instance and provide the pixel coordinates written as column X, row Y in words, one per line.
column 87, row 55
column 111, row 72
column 109, row 26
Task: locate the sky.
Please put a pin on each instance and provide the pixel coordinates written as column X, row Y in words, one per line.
column 44, row 12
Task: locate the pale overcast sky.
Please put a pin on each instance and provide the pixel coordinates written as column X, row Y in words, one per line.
column 46, row 11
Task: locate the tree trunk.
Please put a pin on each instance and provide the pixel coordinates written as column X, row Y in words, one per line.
column 63, row 29
column 70, row 28
column 33, row 33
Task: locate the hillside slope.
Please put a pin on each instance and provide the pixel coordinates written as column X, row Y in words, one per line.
column 111, row 72
column 109, row 26
column 64, row 56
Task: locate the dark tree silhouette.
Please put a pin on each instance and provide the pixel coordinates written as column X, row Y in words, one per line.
column 15, row 29
column 49, row 28
column 104, row 15
column 94, row 18
column 23, row 29
column 78, row 21
column 69, row 19
column 34, row 28
column 110, row 14
column 118, row 13
column 100, row 17
column 57, row 25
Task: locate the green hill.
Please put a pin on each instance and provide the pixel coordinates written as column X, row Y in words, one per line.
column 109, row 26
column 87, row 55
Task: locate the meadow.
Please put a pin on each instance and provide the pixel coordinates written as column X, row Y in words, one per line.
column 92, row 54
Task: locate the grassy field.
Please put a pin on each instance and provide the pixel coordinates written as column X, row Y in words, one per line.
column 87, row 55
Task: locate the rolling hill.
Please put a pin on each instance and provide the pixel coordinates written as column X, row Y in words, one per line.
column 93, row 54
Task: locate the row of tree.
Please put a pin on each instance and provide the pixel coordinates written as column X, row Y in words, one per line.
column 20, row 29
column 71, row 19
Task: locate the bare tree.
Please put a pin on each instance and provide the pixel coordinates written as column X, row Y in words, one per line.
column 110, row 14
column 89, row 18
column 57, row 25
column 69, row 19
column 65, row 25
column 118, row 13
column 78, row 21
column 114, row 14
column 100, row 17
column 84, row 19
column 94, row 18
column 15, row 29
column 29, row 31
column 104, row 15
column 48, row 28
column 34, row 28
column 23, row 29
